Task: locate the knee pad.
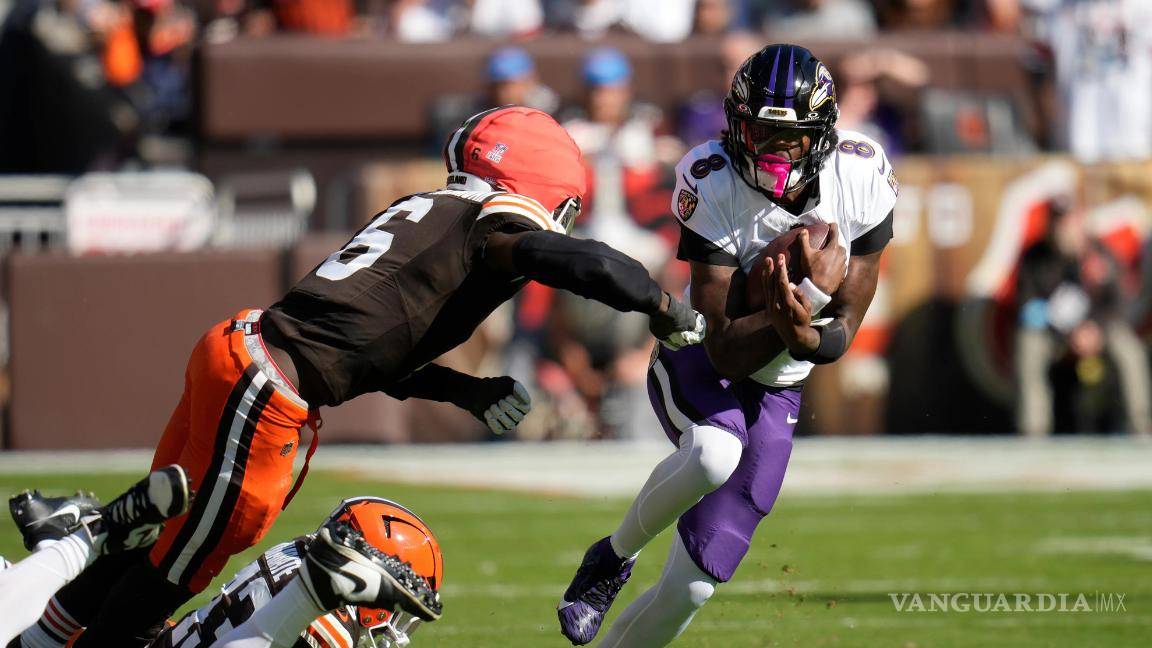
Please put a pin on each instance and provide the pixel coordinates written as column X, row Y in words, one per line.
column 699, row 592
column 716, row 453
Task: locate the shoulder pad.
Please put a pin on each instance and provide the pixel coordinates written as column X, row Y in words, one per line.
column 520, row 205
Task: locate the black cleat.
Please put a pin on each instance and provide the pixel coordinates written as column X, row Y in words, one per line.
column 133, row 519
column 42, row 518
column 598, row 580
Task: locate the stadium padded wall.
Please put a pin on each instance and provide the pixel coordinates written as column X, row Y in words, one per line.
column 99, row 344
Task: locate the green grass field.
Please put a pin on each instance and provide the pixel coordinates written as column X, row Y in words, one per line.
column 819, row 572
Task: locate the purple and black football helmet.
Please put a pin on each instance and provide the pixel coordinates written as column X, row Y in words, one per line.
column 780, row 95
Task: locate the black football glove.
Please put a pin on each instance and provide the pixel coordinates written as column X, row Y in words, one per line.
column 679, row 327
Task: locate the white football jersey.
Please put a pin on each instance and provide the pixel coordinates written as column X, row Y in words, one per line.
column 726, row 222
column 251, row 589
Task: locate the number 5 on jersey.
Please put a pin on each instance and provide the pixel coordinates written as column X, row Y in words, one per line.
column 371, row 242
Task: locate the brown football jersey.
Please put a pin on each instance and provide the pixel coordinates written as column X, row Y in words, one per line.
column 405, row 289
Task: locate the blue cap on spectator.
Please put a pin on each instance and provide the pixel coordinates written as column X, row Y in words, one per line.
column 509, row 63
column 606, row 66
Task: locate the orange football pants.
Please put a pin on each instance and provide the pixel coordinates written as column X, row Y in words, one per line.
column 236, row 432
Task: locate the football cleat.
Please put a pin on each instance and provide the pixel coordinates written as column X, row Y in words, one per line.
column 133, row 519
column 342, row 568
column 396, row 531
column 41, row 518
column 592, row 591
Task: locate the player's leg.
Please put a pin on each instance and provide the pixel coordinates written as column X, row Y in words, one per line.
column 704, row 417
column 43, row 521
column 126, row 522
column 243, row 428
column 714, row 535
column 27, row 586
column 706, row 457
column 341, row 568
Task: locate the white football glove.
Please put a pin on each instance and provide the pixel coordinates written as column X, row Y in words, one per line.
column 680, row 339
column 679, row 327
column 505, row 414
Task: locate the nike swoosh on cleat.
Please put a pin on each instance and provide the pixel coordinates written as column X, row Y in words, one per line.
column 70, row 509
column 359, row 583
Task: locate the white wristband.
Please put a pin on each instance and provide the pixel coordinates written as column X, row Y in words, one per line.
column 816, row 296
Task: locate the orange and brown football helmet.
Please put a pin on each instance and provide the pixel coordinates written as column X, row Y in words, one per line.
column 395, row 530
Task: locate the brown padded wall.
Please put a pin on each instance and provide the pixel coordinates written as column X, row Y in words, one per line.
column 99, row 344
column 304, row 88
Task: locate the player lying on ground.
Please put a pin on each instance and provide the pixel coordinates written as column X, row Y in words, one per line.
column 731, row 404
column 414, row 283
column 67, row 539
column 299, row 593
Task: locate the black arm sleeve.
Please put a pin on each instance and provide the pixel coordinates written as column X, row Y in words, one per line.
column 587, row 268
column 833, row 344
column 436, row 383
column 433, row 382
column 874, row 239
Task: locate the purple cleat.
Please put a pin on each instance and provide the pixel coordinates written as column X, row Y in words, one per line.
column 592, row 591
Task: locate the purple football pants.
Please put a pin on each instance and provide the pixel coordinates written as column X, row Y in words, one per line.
column 687, row 391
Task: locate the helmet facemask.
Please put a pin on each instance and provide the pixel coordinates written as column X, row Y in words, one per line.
column 388, row 630
column 566, row 214
column 777, row 157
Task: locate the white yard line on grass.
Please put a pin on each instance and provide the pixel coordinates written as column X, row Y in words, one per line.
column 1138, row 547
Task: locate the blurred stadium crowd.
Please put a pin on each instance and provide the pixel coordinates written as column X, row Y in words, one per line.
column 1060, row 289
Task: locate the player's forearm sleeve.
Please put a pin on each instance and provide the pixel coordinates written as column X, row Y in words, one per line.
column 433, row 382
column 587, row 268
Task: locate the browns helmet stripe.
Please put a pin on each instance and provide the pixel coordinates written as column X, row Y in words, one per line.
column 454, row 150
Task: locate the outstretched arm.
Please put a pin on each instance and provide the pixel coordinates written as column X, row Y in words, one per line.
column 500, row 403
column 594, row 270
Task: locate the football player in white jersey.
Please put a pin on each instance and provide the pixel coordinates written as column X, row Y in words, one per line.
column 730, row 405
column 301, row 593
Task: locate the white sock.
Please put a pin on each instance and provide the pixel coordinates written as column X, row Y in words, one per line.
column 44, row 544
column 27, row 586
column 706, row 458
column 278, row 623
column 660, row 614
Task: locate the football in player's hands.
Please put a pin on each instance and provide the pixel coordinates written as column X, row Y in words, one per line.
column 787, row 244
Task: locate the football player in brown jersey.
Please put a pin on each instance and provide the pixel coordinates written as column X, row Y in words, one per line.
column 412, row 284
